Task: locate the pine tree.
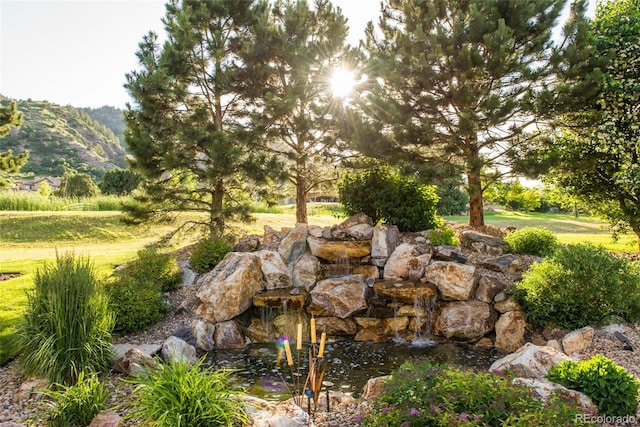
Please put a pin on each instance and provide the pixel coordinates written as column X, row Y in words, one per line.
column 10, row 163
column 190, row 131
column 460, row 83
column 307, row 44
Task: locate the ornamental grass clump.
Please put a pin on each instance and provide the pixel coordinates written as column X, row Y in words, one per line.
column 422, row 394
column 75, row 405
column 181, row 395
column 580, row 285
column 67, row 324
column 611, row 387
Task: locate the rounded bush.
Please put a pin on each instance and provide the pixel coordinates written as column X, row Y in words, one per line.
column 136, row 304
column 611, row 387
column 443, row 236
column 580, row 285
column 385, row 195
column 208, row 253
column 532, row 241
column 153, row 266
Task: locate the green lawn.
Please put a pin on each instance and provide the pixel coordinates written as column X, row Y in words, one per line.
column 29, row 239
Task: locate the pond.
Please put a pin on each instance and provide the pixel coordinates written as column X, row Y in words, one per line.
column 350, row 364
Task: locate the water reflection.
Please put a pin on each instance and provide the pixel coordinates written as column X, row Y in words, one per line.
column 351, row 363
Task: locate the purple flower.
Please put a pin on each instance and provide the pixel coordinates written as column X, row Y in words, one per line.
column 414, row 412
column 357, row 418
column 463, row 416
column 386, row 409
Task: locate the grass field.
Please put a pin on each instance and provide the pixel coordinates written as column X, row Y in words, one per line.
column 29, row 239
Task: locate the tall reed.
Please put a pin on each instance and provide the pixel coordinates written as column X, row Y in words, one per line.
column 32, row 201
column 66, row 328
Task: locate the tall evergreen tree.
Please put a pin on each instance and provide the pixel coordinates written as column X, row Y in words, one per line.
column 459, row 83
column 10, row 163
column 599, row 160
column 307, row 45
column 190, row 131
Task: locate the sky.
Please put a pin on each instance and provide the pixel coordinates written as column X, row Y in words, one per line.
column 77, row 52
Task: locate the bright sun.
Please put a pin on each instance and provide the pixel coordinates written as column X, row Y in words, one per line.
column 342, row 82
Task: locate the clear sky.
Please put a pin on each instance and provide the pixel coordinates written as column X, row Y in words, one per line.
column 76, row 52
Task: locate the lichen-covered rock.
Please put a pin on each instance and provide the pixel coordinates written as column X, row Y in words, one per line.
column 456, row 282
column 577, row 341
column 203, row 331
column 175, row 350
column 228, row 290
column 510, row 329
column 275, row 273
column 305, row 271
column 228, row 335
column 464, row 320
column 397, row 266
column 530, row 361
column 340, row 297
column 293, row 244
column 334, row 250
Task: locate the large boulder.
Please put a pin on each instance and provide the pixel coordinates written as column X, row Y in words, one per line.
column 464, row 320
column 483, row 243
column 336, row 326
column 545, row 389
column 175, row 350
column 135, row 362
column 397, row 266
column 454, row 281
column 340, row 297
column 228, row 290
column 334, row 250
column 405, row 291
column 293, row 244
column 510, row 329
column 263, row 413
column 488, row 288
column 530, row 361
column 203, row 331
column 275, row 273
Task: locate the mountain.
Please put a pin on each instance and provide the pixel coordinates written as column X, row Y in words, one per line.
column 67, row 137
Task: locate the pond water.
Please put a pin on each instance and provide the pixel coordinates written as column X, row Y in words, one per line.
column 350, row 364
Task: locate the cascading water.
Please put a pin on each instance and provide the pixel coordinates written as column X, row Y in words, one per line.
column 423, row 306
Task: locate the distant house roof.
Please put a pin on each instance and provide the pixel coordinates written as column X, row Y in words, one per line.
column 34, row 183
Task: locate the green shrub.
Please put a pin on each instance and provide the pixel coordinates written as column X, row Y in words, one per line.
column 385, row 195
column 76, row 405
column 67, row 324
column 136, row 304
column 183, row 395
column 208, row 253
column 611, row 387
column 580, row 285
column 427, row 395
column 153, row 266
column 443, row 236
column 532, row 241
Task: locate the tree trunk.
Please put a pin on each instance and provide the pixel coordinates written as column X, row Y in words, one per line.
column 301, row 199
column 476, row 212
column 637, row 233
column 216, row 221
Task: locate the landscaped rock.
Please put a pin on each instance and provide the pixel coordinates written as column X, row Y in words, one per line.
column 577, row 341
column 334, row 250
column 248, row 243
column 228, row 335
column 203, row 331
column 274, row 414
column 228, row 290
column 281, row 299
column 530, row 361
column 188, row 275
column 397, row 266
column 545, row 388
column 293, row 244
column 482, row 243
column 448, row 253
column 106, row 419
column 509, row 304
column 464, row 320
column 175, row 350
column 305, row 271
column 508, row 263
column 454, row 281
column 405, row 291
column 368, row 271
column 396, row 324
column 374, row 387
column 275, row 272
column 335, row 326
column 340, row 297
column 134, row 362
column 510, row 329
column 260, row 331
column 360, row 231
column 383, row 243
column 488, row 288
column 373, row 334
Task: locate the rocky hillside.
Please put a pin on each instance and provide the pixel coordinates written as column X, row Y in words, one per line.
column 60, row 137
